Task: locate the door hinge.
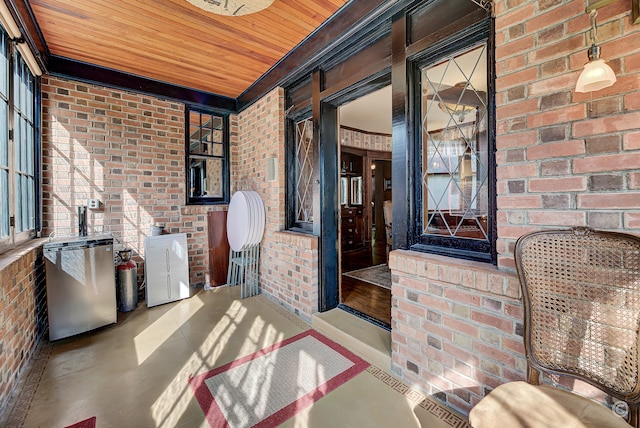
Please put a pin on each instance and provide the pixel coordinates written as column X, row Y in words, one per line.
column 12, row 221
column 11, row 134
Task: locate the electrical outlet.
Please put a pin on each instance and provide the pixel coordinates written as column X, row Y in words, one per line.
column 93, row 204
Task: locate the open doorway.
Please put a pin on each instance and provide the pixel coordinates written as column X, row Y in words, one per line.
column 365, row 195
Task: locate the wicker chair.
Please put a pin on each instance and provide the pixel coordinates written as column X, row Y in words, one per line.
column 581, row 291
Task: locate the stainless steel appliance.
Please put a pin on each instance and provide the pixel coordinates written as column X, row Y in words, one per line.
column 81, row 290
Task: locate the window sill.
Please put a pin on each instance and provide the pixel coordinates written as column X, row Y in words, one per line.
column 20, row 251
column 440, row 269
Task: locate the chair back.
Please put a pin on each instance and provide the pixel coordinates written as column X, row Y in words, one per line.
column 581, row 293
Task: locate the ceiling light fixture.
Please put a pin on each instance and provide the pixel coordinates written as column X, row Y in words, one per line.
column 232, row 7
column 458, row 100
column 596, row 74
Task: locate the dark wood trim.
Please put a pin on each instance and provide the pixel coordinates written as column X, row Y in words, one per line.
column 325, row 195
column 373, row 154
column 402, row 162
column 25, row 19
column 329, row 205
column 290, row 170
column 354, row 17
column 491, row 130
column 89, row 73
column 316, row 83
column 226, row 166
column 38, row 149
column 349, row 128
column 484, row 251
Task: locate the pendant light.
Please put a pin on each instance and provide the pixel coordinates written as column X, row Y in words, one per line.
column 596, row 74
column 232, row 7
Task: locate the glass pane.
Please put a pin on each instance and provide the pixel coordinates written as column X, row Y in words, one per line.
column 4, row 136
column 454, row 146
column 24, row 143
column 217, row 123
column 30, row 98
column 16, row 139
column 214, row 177
column 25, row 203
column 31, row 211
column 194, row 118
column 204, row 130
column 194, row 140
column 206, row 178
column 18, row 201
column 303, row 171
column 217, row 136
column 4, row 203
column 4, row 65
column 30, row 143
column 16, row 83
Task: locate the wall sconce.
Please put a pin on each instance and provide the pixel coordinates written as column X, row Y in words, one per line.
column 596, row 74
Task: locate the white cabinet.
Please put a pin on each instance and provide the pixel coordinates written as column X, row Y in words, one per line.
column 166, row 268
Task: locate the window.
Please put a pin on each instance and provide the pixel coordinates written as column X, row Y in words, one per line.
column 300, row 166
column 19, row 149
column 455, row 155
column 207, row 157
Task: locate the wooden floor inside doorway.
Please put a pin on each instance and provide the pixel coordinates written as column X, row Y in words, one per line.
column 364, row 297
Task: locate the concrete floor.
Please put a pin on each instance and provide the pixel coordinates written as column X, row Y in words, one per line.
column 134, row 373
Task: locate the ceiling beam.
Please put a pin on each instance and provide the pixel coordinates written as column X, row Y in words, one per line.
column 351, row 18
column 89, row 73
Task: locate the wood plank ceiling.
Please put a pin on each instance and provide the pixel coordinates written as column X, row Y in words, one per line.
column 176, row 42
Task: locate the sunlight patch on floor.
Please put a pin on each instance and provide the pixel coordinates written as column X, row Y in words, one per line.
column 149, row 340
column 174, row 400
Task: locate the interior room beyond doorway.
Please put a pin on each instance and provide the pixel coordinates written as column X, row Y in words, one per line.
column 365, row 193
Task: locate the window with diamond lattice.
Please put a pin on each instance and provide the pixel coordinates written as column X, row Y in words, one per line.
column 454, row 150
column 303, row 173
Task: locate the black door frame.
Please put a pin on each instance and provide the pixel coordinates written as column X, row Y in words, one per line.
column 325, row 117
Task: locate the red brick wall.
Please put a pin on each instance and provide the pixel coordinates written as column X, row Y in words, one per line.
column 127, row 150
column 563, row 159
column 23, row 314
column 288, row 261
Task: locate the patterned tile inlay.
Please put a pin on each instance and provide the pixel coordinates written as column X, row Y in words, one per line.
column 436, row 409
column 433, row 407
column 20, row 401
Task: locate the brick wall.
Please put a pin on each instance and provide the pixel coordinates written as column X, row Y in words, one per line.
column 288, row 261
column 23, row 313
column 563, row 159
column 456, row 326
column 127, row 150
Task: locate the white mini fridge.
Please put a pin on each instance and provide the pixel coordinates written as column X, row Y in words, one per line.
column 166, row 268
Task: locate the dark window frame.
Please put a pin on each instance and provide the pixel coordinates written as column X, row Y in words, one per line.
column 200, row 200
column 484, row 251
column 21, row 117
column 292, row 222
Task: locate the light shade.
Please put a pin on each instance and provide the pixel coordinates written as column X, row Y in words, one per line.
column 596, row 75
column 232, row 7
